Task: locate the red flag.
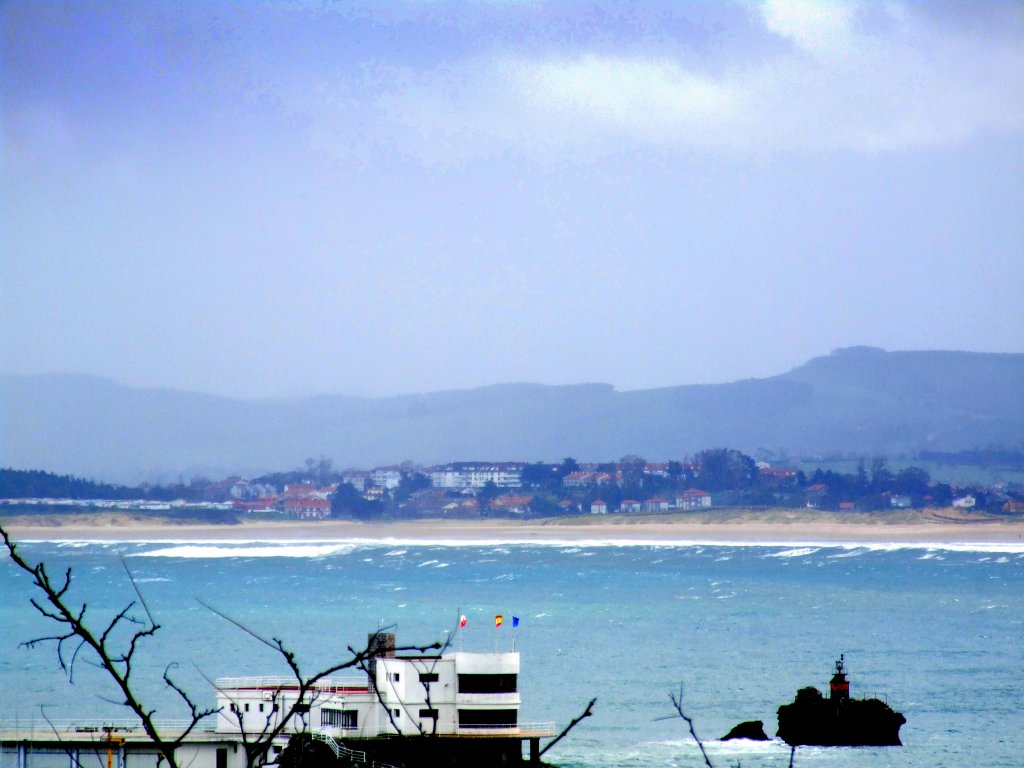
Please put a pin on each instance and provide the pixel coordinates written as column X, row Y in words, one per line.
column 463, row 622
column 498, row 619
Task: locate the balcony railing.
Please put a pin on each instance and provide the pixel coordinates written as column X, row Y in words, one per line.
column 327, row 685
column 97, row 729
column 84, row 728
column 519, row 729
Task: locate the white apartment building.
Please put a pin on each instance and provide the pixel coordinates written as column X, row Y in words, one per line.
column 461, row 474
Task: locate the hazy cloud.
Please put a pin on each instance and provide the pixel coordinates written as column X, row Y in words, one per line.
column 823, row 28
column 863, row 79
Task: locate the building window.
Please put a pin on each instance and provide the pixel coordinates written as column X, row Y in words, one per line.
column 339, row 718
column 428, row 677
column 487, row 718
column 397, row 713
column 247, row 706
column 487, row 683
column 394, row 677
column 428, row 713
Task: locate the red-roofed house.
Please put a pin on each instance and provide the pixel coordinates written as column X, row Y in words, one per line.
column 693, row 498
column 578, row 479
column 516, row 505
column 776, row 476
column 815, row 494
column 262, row 504
column 630, row 505
column 306, row 507
column 598, row 507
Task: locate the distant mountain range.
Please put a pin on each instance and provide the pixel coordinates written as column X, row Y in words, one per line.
column 857, row 400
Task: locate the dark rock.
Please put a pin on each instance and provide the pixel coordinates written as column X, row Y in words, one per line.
column 814, row 720
column 751, row 729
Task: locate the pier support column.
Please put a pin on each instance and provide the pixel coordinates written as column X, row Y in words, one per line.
column 23, row 755
column 534, row 751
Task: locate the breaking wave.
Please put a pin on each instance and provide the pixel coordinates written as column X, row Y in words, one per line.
column 209, row 551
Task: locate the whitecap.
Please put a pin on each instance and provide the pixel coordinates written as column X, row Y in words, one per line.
column 796, row 552
column 206, row 551
column 504, row 546
column 854, row 552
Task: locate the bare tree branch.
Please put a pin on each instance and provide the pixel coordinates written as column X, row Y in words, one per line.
column 572, row 724
column 135, row 586
column 678, row 704
column 117, row 664
column 74, row 759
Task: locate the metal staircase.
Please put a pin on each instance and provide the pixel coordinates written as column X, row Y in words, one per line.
column 355, row 757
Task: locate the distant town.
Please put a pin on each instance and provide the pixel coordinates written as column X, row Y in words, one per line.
column 717, row 478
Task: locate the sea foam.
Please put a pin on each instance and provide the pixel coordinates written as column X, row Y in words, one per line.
column 196, row 551
column 397, row 545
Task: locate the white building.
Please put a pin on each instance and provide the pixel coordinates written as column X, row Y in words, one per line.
column 452, row 694
column 694, row 498
column 462, row 474
column 357, row 479
column 388, row 478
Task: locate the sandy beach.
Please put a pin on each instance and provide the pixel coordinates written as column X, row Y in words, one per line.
column 735, row 526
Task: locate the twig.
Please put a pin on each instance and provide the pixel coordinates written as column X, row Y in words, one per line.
column 678, row 704
column 572, row 724
column 135, row 586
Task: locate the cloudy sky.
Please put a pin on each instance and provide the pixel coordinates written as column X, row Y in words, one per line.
column 292, row 198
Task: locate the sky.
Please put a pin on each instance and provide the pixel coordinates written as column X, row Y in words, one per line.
column 291, row 198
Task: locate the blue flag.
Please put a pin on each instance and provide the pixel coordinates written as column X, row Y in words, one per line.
column 515, row 622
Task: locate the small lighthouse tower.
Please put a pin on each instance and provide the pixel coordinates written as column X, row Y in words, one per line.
column 839, row 686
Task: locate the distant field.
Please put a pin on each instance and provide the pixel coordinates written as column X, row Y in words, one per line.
column 955, row 474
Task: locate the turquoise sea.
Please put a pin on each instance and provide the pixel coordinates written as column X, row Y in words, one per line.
column 937, row 631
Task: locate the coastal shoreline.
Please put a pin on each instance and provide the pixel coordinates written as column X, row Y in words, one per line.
column 938, row 527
